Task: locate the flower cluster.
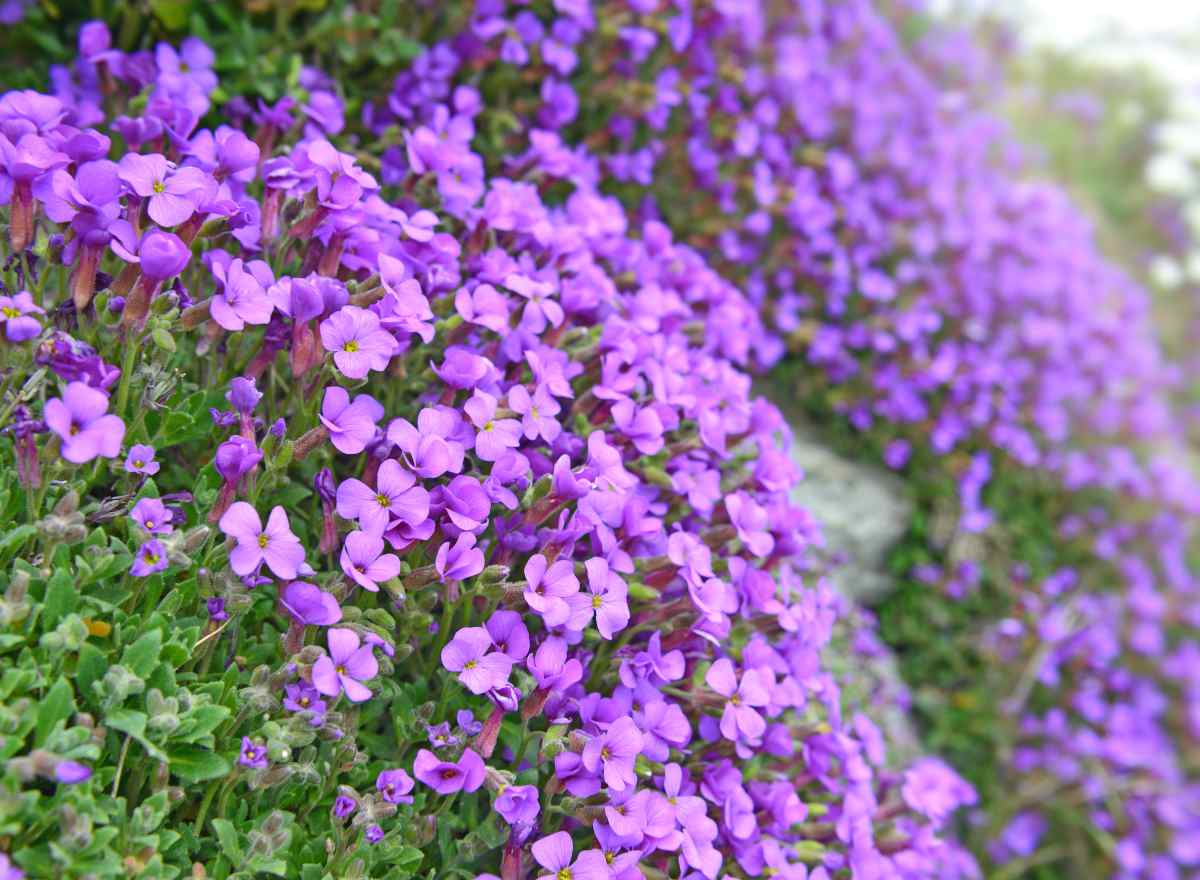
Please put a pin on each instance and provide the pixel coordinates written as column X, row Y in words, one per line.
column 911, row 272
column 472, row 503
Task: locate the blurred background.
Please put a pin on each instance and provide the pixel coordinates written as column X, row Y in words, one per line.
column 1108, row 92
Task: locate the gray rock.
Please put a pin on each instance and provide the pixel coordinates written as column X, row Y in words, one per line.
column 863, row 511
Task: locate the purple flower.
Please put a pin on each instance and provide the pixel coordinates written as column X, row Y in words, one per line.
column 309, row 604
column 358, row 341
column 16, row 315
column 537, row 412
column 241, row 296
column 614, row 752
column 344, row 805
column 141, row 460
column 608, row 599
column 9, row 871
column 554, row 854
column 80, row 419
column 495, row 436
column 446, row 778
column 548, row 586
column 428, row 448
column 215, row 606
column 170, row 191
column 299, row 696
column 396, row 496
column 934, row 790
column 152, row 515
column 243, row 394
column 275, row 545
column 364, row 561
column 479, row 668
column 351, row 425
column 72, row 772
column 465, row 502
column 740, row 719
column 345, row 667
column 395, row 786
column 162, row 255
column 236, row 457
column 151, row 557
column 252, row 754
column 642, row 426
column 518, row 804
column 458, row 561
column 373, row 834
column 509, row 635
column 752, row 523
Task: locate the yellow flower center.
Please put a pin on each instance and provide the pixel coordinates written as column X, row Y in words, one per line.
column 564, row 874
column 138, row 463
column 383, row 500
column 149, row 524
column 605, row 754
column 489, row 425
column 10, row 312
column 351, row 346
column 471, row 664
column 159, row 186
column 263, row 541
column 339, row 669
column 152, row 558
column 597, row 601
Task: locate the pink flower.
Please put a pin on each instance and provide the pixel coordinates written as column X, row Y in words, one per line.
column 479, row 668
column 364, row 561
column 396, row 496
column 241, row 297
column 537, row 412
column 495, row 436
column 351, row 425
column 358, row 341
column 79, row 418
column 347, row 665
column 168, row 190
column 275, row 545
column 548, row 586
column 554, row 854
column 608, row 599
column 459, row 561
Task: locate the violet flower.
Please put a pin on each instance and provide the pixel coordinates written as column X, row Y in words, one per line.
column 458, row 561
column 80, row 419
column 495, row 436
column 303, row 697
column 274, row 545
column 396, row 496
column 394, row 786
column 608, row 599
column 547, row 587
column 740, row 719
column 554, row 854
column 614, row 752
column 351, row 425
column 364, row 561
column 518, row 804
column 479, row 668
column 467, row 774
column 152, row 515
column 150, row 558
column 167, row 189
column 241, row 296
column 347, row 665
column 16, row 314
column 141, row 460
column 358, row 341
column 537, row 412
column 72, row 772
column 252, row 755
column 309, row 604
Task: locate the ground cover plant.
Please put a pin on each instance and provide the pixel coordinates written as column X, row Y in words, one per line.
column 391, row 498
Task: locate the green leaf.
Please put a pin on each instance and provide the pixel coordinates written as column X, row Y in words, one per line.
column 15, row 537
column 172, row 13
column 196, row 764
column 61, row 599
column 142, row 656
column 227, row 836
column 91, row 667
column 57, row 706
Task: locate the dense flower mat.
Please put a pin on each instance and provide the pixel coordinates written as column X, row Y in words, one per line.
column 389, row 498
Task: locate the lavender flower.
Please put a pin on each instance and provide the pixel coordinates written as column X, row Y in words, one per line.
column 80, row 419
